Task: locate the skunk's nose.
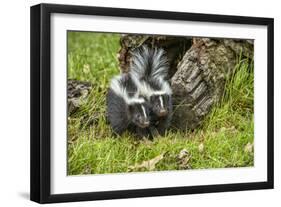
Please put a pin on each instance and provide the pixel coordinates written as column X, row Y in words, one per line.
column 163, row 112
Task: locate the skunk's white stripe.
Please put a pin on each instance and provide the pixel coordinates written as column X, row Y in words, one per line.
column 131, row 101
column 160, row 65
column 145, row 89
column 161, row 101
column 139, row 64
column 121, row 91
column 159, row 70
column 139, row 61
column 165, row 87
column 143, row 109
column 158, row 93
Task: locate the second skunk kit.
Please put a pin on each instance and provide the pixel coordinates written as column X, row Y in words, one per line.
column 141, row 100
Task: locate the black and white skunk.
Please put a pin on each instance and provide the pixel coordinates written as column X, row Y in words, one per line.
column 149, row 70
column 125, row 109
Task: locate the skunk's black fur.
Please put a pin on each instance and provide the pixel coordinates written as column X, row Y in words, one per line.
column 125, row 109
column 149, row 69
column 160, row 118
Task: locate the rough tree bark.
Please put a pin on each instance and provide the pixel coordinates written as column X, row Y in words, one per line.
column 76, row 92
column 199, row 68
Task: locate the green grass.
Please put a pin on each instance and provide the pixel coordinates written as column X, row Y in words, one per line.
column 92, row 148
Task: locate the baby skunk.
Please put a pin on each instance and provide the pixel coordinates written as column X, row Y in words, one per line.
column 149, row 69
column 125, row 110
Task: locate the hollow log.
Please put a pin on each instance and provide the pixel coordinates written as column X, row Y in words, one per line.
column 199, row 68
column 174, row 46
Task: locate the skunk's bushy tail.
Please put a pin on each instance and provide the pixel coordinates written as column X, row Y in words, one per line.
column 148, row 63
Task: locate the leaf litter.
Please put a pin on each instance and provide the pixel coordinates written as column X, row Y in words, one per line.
column 183, row 159
column 149, row 165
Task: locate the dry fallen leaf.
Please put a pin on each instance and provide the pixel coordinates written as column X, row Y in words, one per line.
column 201, row 147
column 183, row 159
column 223, row 129
column 183, row 153
column 249, row 147
column 87, row 170
column 146, row 141
column 147, row 165
column 86, row 68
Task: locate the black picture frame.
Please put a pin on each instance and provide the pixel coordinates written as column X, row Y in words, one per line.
column 41, row 98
